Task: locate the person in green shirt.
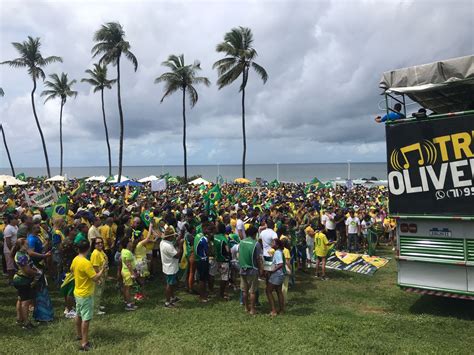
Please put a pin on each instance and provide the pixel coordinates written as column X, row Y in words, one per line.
column 251, row 265
column 82, row 235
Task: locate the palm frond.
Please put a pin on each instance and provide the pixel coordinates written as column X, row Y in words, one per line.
column 202, row 80
column 131, row 57
column 260, row 71
column 168, row 77
column 170, row 89
column 230, row 76
column 192, row 94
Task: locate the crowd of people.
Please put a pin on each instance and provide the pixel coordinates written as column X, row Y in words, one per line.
column 206, row 243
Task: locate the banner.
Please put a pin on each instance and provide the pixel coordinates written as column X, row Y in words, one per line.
column 42, row 198
column 361, row 264
column 158, row 185
column 431, row 166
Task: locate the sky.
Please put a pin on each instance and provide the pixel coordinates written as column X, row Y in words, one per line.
column 324, row 60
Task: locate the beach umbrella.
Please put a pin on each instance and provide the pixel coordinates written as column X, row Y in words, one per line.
column 148, row 178
column 128, row 183
column 100, row 178
column 57, row 178
column 199, row 181
column 115, row 179
column 242, row 181
column 10, row 181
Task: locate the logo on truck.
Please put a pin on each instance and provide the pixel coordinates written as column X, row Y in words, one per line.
column 451, row 148
column 430, row 165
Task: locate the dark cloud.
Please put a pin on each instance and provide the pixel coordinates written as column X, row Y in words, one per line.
column 324, row 60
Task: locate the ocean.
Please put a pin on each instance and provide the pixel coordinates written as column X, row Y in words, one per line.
column 282, row 172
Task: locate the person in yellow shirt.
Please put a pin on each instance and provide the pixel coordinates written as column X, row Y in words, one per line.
column 105, row 231
column 321, row 249
column 85, row 278
column 99, row 261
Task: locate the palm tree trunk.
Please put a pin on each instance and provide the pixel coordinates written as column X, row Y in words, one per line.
column 184, row 137
column 8, row 152
column 121, row 121
column 106, row 132
column 61, row 139
column 243, row 127
column 39, row 127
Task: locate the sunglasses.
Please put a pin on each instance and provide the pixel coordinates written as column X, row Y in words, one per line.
column 99, row 243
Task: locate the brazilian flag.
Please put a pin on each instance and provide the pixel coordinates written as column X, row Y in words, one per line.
column 274, row 183
column 146, row 217
column 315, row 181
column 79, row 189
column 214, row 194
column 60, row 207
column 134, row 195
column 21, row 177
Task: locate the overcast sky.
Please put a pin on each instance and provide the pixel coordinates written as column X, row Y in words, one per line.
column 324, row 60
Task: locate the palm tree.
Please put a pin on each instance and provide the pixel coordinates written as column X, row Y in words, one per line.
column 2, row 93
column 6, row 149
column 98, row 79
column 31, row 58
column 111, row 45
column 239, row 57
column 59, row 87
column 182, row 77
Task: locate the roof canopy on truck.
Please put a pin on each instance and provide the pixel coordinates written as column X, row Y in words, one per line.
column 442, row 87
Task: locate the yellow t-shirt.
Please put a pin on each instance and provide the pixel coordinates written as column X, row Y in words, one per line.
column 321, row 244
column 10, row 202
column 106, row 234
column 83, row 273
column 141, row 250
column 98, row 258
column 233, row 224
column 286, row 254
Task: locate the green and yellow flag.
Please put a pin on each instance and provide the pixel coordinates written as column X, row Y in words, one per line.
column 146, row 217
column 60, row 207
column 21, row 177
column 80, row 188
column 214, row 194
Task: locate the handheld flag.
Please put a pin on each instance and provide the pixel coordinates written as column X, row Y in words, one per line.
column 80, row 188
column 214, row 194
column 60, row 207
column 274, row 183
column 21, row 177
column 134, row 194
column 146, row 217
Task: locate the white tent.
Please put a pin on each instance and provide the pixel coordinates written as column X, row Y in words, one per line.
column 100, row 178
column 115, row 179
column 148, row 178
column 199, row 181
column 10, row 180
column 56, row 178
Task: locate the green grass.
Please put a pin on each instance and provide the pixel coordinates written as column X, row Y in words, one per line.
column 349, row 313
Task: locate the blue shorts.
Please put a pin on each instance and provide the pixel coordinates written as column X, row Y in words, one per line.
column 171, row 279
column 276, row 278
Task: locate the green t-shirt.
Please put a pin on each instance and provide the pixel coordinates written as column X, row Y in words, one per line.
column 246, row 253
column 80, row 236
column 220, row 242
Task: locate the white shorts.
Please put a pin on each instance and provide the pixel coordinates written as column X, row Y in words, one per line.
column 213, row 270
column 223, row 270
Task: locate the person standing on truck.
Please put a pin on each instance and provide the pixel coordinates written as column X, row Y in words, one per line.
column 391, row 116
